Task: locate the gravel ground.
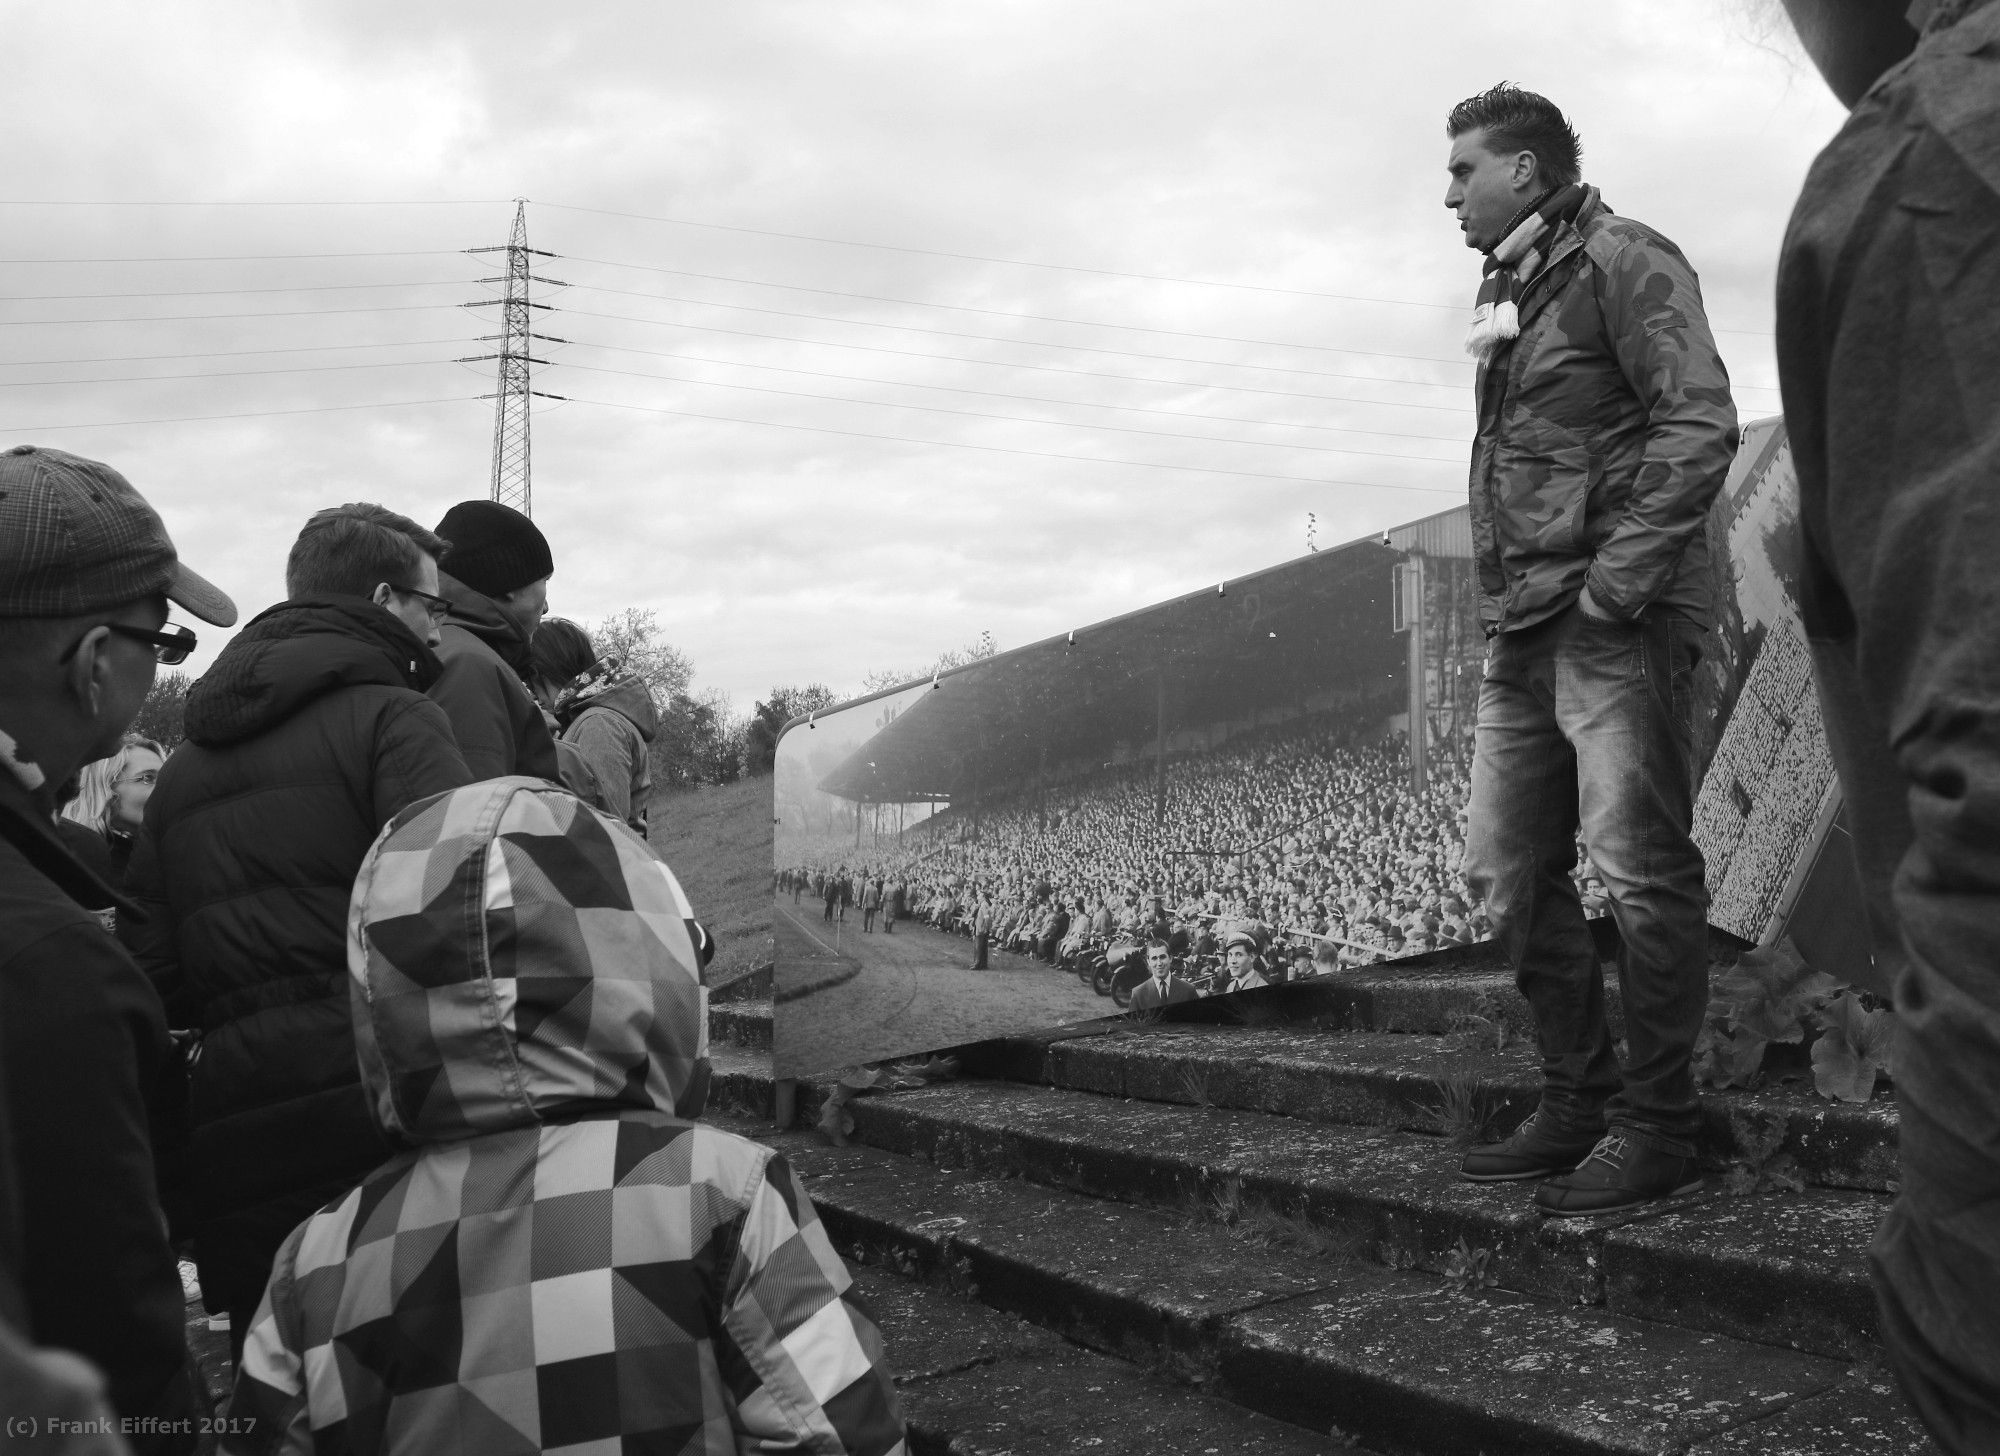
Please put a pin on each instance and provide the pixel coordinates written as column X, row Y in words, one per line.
column 870, row 997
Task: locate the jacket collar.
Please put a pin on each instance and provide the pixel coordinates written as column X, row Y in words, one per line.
column 26, row 825
column 480, row 615
column 1568, row 240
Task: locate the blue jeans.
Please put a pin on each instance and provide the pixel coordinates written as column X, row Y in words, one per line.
column 1589, row 722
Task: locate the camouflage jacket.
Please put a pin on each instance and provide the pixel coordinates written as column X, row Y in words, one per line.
column 1605, row 430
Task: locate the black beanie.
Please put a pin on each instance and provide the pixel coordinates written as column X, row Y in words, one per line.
column 494, row 548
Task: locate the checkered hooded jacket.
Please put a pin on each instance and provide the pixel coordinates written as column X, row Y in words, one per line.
column 561, row 1261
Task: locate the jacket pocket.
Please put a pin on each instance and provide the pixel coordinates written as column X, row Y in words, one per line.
column 1544, row 472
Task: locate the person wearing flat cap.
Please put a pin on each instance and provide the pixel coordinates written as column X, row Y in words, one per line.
column 87, row 576
column 496, row 575
column 1240, row 956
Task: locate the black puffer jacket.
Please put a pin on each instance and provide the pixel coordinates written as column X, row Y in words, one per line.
column 308, row 734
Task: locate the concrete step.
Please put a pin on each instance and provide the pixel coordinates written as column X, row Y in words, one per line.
column 1457, row 1085
column 978, row 1382
column 1786, row 1269
column 745, row 1024
column 1266, row 1311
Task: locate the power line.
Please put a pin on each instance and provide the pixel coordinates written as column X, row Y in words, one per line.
column 1025, row 398
column 1009, row 364
column 773, row 233
column 1011, row 450
column 324, row 409
column 1001, row 312
column 216, row 292
column 242, row 257
column 337, row 202
column 176, row 318
column 1007, row 262
column 1458, row 308
column 1018, row 419
column 227, row 353
column 219, row 374
column 1024, row 343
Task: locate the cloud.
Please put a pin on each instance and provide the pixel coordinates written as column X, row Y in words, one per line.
column 1280, row 147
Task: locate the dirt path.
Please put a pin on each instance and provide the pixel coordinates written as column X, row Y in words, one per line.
column 881, row 996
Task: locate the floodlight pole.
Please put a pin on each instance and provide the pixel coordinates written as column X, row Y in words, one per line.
column 1413, row 616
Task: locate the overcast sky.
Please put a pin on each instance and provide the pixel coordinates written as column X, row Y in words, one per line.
column 809, row 245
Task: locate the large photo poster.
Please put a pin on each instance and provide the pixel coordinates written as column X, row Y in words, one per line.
column 1269, row 777
column 1234, row 773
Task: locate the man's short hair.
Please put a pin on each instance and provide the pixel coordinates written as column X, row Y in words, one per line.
column 1516, row 120
column 352, row 549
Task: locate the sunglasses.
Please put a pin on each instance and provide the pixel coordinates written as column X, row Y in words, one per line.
column 438, row 607
column 169, row 646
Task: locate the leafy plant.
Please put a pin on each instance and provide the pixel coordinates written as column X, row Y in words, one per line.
column 1762, row 1168
column 836, row 1123
column 1465, row 1268
column 1855, row 1046
column 1767, row 996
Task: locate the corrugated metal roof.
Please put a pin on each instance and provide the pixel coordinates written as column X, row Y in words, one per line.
column 1448, row 533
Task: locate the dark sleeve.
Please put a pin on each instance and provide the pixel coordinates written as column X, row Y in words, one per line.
column 150, row 935
column 1653, row 314
column 607, row 740
column 474, row 700
column 415, row 756
column 83, row 1034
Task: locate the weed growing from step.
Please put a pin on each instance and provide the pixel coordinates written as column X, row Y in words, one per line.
column 1465, row 1268
column 1462, row 1111
column 1192, row 1082
column 1263, row 1226
column 1482, row 1026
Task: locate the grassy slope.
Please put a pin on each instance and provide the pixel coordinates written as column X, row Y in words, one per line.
column 718, row 843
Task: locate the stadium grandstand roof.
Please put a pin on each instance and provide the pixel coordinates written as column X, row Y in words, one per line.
column 1315, row 625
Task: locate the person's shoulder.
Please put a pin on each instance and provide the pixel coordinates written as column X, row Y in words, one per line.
column 1609, row 238
column 461, row 649
column 58, row 958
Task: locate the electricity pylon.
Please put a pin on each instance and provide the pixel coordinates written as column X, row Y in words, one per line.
column 513, row 482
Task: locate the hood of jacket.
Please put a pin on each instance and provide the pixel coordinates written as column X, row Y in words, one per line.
column 516, row 957
column 480, row 615
column 629, row 697
column 297, row 652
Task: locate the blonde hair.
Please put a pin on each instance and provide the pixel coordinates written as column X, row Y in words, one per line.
column 96, row 783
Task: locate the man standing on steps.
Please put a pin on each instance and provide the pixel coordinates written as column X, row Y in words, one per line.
column 1605, row 429
column 1888, row 299
column 496, row 578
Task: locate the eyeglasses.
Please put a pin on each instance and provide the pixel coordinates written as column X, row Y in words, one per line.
column 438, row 607
column 169, row 646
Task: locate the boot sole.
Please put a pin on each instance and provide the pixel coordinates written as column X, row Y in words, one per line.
column 1684, row 1191
column 1529, row 1175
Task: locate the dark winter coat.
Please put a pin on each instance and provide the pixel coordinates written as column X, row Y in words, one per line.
column 82, row 1039
column 1605, row 431
column 1887, row 290
column 482, row 688
column 308, row 734
column 613, row 729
